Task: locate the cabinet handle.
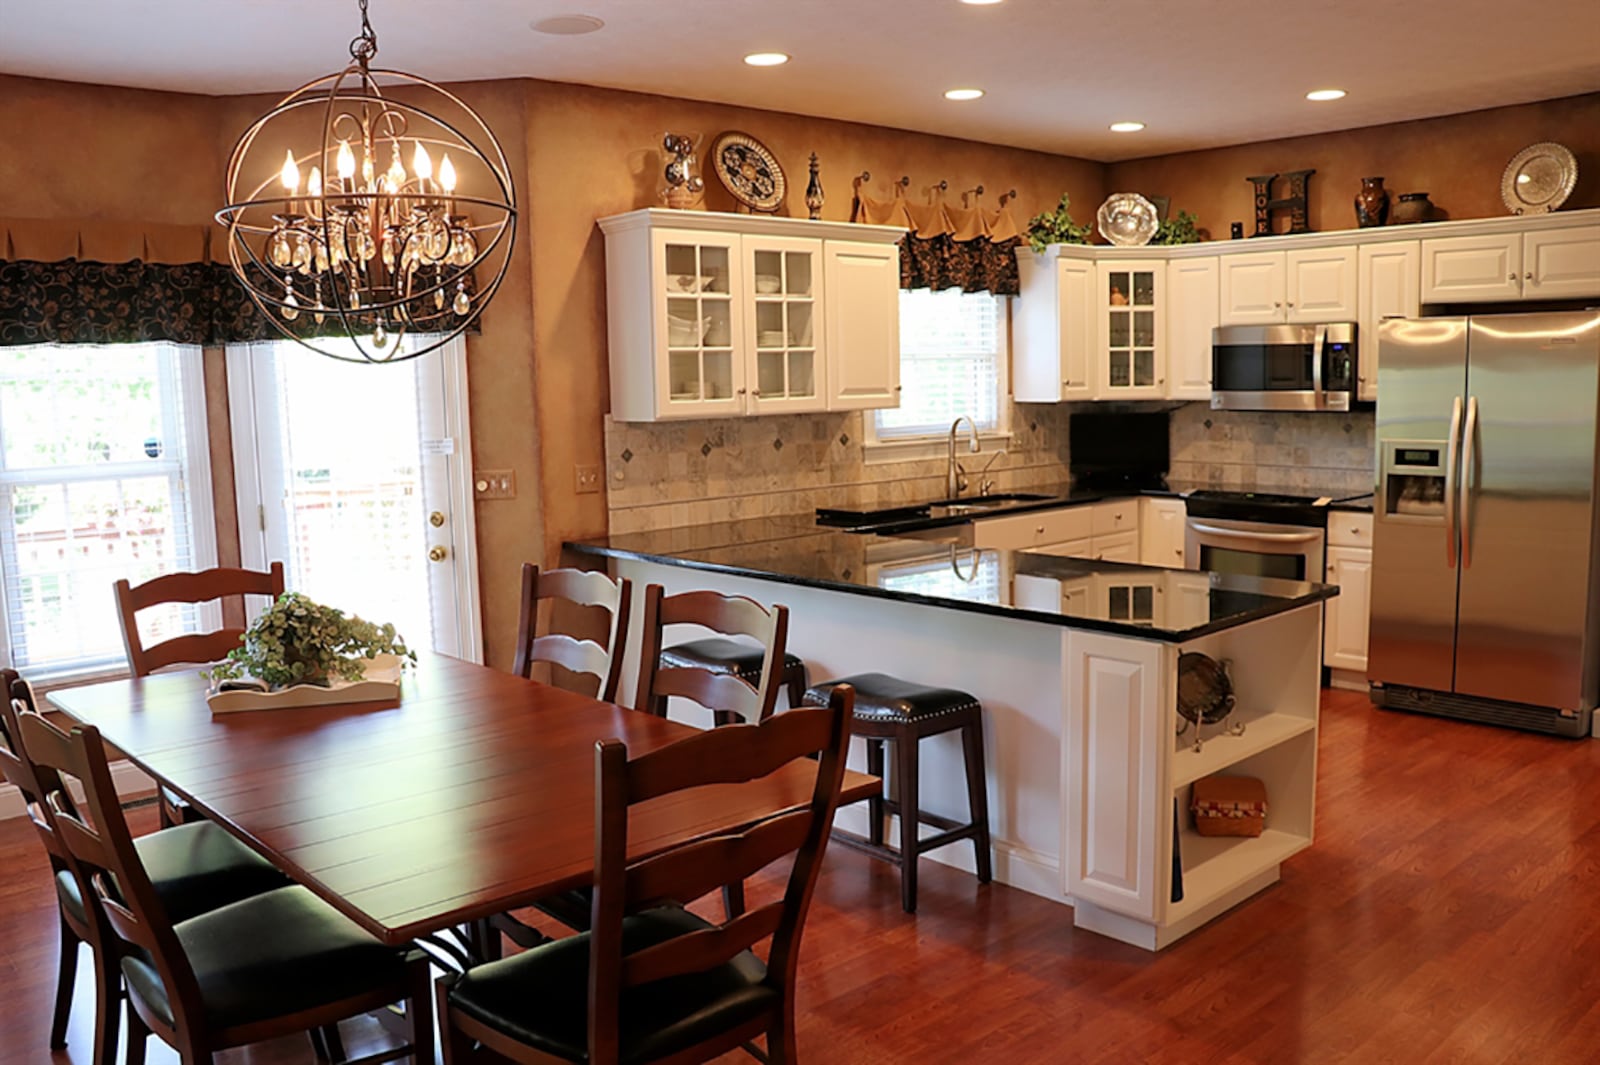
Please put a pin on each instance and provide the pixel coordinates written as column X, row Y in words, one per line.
column 899, row 388
column 1511, row 277
column 1528, row 276
column 1276, row 303
column 1040, row 529
column 755, row 392
column 1291, row 303
column 1161, row 380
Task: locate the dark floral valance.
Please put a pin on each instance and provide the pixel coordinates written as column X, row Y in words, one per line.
column 950, row 247
column 74, row 302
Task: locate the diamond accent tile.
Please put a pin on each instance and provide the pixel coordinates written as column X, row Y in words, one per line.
column 777, row 445
column 705, row 448
column 844, row 439
column 627, row 455
column 1208, row 423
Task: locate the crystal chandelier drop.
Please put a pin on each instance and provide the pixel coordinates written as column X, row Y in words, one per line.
column 399, row 219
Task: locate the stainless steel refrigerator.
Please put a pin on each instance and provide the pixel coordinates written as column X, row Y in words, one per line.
column 1485, row 546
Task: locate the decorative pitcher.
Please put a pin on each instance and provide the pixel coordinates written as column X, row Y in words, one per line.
column 1372, row 203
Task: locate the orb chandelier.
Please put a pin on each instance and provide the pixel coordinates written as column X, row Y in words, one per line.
column 399, row 218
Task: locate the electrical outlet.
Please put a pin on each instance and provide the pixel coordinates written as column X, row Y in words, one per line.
column 495, row 484
column 588, row 478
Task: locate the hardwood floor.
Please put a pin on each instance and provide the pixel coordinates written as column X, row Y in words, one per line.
column 1449, row 912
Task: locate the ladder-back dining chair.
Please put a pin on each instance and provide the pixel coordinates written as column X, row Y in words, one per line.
column 193, row 869
column 591, row 592
column 656, row 983
column 273, row 964
column 730, row 698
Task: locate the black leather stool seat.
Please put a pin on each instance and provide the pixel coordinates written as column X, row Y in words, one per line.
column 194, row 868
column 270, row 955
column 541, row 997
column 882, row 697
column 718, row 655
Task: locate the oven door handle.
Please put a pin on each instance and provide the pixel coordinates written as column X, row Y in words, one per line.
column 1259, row 537
column 1316, row 367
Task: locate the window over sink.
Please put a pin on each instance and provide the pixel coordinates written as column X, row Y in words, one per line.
column 952, row 363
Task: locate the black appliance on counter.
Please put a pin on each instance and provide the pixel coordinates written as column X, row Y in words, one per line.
column 1116, row 450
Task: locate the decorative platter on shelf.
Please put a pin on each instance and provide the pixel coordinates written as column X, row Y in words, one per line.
column 749, row 170
column 382, row 681
column 1127, row 219
column 1539, row 178
column 1205, row 691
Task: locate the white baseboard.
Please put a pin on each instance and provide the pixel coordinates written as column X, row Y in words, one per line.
column 131, row 782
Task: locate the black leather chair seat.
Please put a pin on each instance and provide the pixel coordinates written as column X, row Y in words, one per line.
column 719, row 655
column 540, row 997
column 881, row 697
column 194, row 868
column 270, row 955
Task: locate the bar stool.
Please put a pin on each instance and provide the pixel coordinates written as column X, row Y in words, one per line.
column 890, row 709
column 738, row 659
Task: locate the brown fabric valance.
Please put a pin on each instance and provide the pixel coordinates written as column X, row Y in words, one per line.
column 50, row 240
column 950, row 247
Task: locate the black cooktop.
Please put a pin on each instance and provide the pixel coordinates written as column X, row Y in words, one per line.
column 1283, row 508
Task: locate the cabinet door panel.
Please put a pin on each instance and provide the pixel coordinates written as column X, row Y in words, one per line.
column 1344, row 638
column 697, row 312
column 1132, row 348
column 1117, row 547
column 784, row 303
column 1252, row 288
column 1465, row 269
column 1161, row 532
column 862, row 324
column 1561, row 263
column 1390, row 275
column 1321, row 285
column 1076, row 306
column 1192, row 295
column 1117, row 826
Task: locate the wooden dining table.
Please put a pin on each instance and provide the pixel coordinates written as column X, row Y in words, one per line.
column 471, row 794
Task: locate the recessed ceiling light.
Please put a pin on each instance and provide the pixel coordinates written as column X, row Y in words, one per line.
column 766, row 59
column 1325, row 94
column 963, row 94
column 1126, row 127
column 568, row 25
column 980, row 3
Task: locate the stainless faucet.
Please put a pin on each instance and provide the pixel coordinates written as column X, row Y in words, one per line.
column 955, row 476
column 985, row 482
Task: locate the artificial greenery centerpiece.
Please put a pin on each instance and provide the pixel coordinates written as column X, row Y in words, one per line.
column 298, row 641
column 1179, row 230
column 1056, row 227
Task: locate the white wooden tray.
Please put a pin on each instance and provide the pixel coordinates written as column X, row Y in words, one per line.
column 382, row 681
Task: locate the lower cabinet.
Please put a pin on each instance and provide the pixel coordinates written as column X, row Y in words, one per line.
column 1161, row 531
column 1344, row 633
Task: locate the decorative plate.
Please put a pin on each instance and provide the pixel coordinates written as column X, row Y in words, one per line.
column 1127, row 219
column 1205, row 693
column 1539, row 178
column 749, row 171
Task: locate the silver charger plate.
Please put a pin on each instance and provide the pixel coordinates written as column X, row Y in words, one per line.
column 1539, row 178
column 1127, row 219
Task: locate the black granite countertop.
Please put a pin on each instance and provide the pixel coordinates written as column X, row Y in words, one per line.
column 1131, row 600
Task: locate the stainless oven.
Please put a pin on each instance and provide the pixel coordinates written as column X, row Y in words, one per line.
column 1266, row 549
column 1283, row 367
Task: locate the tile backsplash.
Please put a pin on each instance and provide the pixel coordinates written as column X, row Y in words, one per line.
column 663, row 475
column 1281, row 449
column 670, row 474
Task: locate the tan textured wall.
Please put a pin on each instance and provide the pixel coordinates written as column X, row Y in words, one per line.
column 1457, row 160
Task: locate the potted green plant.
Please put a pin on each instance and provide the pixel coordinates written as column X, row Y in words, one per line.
column 297, row 641
column 1179, row 230
column 1056, row 227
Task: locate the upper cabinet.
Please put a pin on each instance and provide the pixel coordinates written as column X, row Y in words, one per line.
column 1191, row 316
column 713, row 315
column 1389, row 289
column 1053, row 328
column 1301, row 285
column 1542, row 264
column 1130, row 360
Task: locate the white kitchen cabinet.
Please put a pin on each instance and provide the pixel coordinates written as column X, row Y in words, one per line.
column 1053, row 328
column 1390, row 276
column 1130, row 356
column 712, row 315
column 1301, row 285
column 1347, row 616
column 1161, row 531
column 1192, row 295
column 1118, row 547
column 1541, row 264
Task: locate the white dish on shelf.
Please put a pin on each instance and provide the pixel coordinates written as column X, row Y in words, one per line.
column 381, row 682
column 767, row 285
column 770, row 338
column 685, row 332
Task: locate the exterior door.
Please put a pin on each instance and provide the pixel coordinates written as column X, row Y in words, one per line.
column 358, row 478
column 1527, row 471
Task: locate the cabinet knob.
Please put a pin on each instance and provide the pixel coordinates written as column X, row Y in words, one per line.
column 1276, row 304
column 1511, row 277
column 741, row 391
column 1528, row 276
column 1291, row 303
column 899, row 388
column 1161, row 380
column 755, row 391
column 1040, row 529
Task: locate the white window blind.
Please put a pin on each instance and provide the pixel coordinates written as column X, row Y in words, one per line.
column 952, row 362
column 96, row 482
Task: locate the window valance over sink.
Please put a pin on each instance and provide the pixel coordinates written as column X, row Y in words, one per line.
column 969, row 248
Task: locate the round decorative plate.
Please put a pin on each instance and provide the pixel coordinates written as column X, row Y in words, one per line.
column 1127, row 219
column 749, row 171
column 1539, row 178
column 1205, row 692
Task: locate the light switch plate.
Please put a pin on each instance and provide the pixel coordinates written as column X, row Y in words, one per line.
column 495, row 484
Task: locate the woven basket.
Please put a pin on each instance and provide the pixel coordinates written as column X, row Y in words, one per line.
column 1228, row 806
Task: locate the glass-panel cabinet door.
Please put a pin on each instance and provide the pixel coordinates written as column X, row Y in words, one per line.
column 1131, row 314
column 697, row 324
column 783, row 323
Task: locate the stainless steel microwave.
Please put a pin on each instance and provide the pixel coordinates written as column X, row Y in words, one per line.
column 1283, row 367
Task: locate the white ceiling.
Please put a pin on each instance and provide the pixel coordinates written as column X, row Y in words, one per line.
column 1200, row 73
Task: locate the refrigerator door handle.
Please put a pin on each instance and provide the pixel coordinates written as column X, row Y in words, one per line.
column 1450, row 499
column 1316, row 367
column 1468, row 445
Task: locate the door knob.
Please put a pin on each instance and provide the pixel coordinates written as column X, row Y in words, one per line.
column 437, row 553
column 436, row 519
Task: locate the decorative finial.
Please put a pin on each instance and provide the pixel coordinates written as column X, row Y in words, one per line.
column 814, row 191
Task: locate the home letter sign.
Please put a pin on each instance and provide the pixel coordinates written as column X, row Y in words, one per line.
column 1294, row 203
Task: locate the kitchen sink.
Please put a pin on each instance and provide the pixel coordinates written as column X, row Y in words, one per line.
column 988, row 502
